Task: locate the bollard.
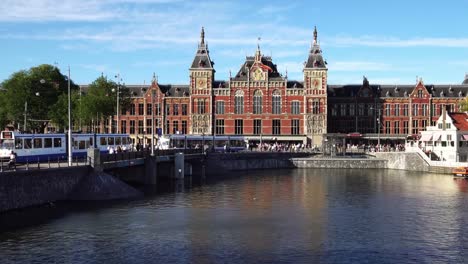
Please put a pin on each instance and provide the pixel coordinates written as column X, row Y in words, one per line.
column 27, row 164
column 58, row 162
column 38, row 164
column 48, row 161
column 1, row 167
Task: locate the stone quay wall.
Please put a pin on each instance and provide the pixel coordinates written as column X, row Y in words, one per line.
column 404, row 161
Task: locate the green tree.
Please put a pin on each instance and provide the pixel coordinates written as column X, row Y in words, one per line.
column 100, row 100
column 32, row 94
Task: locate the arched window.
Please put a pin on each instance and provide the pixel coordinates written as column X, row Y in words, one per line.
column 239, row 102
column 276, row 102
column 257, row 102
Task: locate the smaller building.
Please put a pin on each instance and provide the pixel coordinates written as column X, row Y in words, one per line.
column 448, row 139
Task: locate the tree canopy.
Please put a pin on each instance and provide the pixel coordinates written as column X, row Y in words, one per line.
column 32, row 94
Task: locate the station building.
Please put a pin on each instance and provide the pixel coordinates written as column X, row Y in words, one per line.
column 263, row 105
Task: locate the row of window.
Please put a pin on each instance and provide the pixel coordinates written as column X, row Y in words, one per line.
column 390, row 109
column 257, row 127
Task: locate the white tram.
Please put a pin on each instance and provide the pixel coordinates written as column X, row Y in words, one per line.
column 218, row 143
column 44, row 147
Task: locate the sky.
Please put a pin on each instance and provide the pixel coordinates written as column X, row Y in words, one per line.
column 389, row 42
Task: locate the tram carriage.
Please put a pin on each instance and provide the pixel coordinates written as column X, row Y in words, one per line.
column 218, row 143
column 44, row 147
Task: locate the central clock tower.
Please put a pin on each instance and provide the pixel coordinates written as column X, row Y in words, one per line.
column 201, row 90
column 315, row 99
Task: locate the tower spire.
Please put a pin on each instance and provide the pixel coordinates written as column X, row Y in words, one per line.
column 315, row 35
column 202, row 36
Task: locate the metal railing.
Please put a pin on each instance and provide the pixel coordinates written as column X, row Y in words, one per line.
column 37, row 164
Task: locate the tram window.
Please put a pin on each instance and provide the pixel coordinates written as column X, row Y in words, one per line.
column 18, row 143
column 124, row 141
column 82, row 144
column 91, row 141
column 57, row 142
column 103, row 141
column 38, row 143
column 75, row 144
column 110, row 140
column 118, row 140
column 47, row 142
column 27, row 143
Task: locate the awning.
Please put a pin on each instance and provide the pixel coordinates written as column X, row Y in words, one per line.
column 465, row 137
column 426, row 137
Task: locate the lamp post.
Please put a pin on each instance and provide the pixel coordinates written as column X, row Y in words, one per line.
column 69, row 122
column 118, row 97
column 153, row 93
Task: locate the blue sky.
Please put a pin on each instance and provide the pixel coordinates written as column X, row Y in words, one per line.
column 390, row 42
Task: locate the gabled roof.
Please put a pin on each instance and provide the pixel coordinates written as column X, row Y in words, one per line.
column 460, row 120
column 264, row 62
column 315, row 59
column 202, row 57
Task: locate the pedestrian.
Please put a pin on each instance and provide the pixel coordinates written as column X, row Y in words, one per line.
column 12, row 161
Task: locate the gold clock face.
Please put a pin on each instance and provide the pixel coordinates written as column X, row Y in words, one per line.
column 201, row 83
column 316, row 83
column 258, row 75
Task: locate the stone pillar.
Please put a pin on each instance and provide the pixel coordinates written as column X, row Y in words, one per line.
column 94, row 159
column 179, row 161
column 151, row 169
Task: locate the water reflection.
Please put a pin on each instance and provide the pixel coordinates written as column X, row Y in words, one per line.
column 290, row 216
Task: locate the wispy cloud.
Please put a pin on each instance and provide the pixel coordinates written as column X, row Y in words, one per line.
column 383, row 41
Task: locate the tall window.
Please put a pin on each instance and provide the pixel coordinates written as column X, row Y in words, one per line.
column 132, row 109
column 405, row 127
column 123, row 126
column 387, row 127
column 140, row 127
column 239, row 102
column 415, row 127
column 396, row 127
column 351, row 110
column 316, row 107
column 276, row 126
column 148, row 126
column 149, row 109
column 141, row 108
column 387, row 110
column 168, row 109
column 360, row 109
column 167, row 128
column 397, row 110
column 239, row 126
column 175, row 127
column 276, row 102
column 184, row 109
column 175, row 110
column 257, row 126
column 343, row 109
column 295, row 127
column 415, row 109
column 424, row 109
column 201, row 106
column 220, row 107
column 257, row 102
column 420, row 93
column 433, row 109
column 295, row 107
column 405, row 110
column 219, row 127
column 132, row 126
column 184, row 127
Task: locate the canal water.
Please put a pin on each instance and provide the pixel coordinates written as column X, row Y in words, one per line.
column 270, row 216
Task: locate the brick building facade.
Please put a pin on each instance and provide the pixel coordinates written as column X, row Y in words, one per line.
column 262, row 104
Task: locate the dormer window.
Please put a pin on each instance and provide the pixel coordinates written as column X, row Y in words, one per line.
column 442, row 94
column 387, row 94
